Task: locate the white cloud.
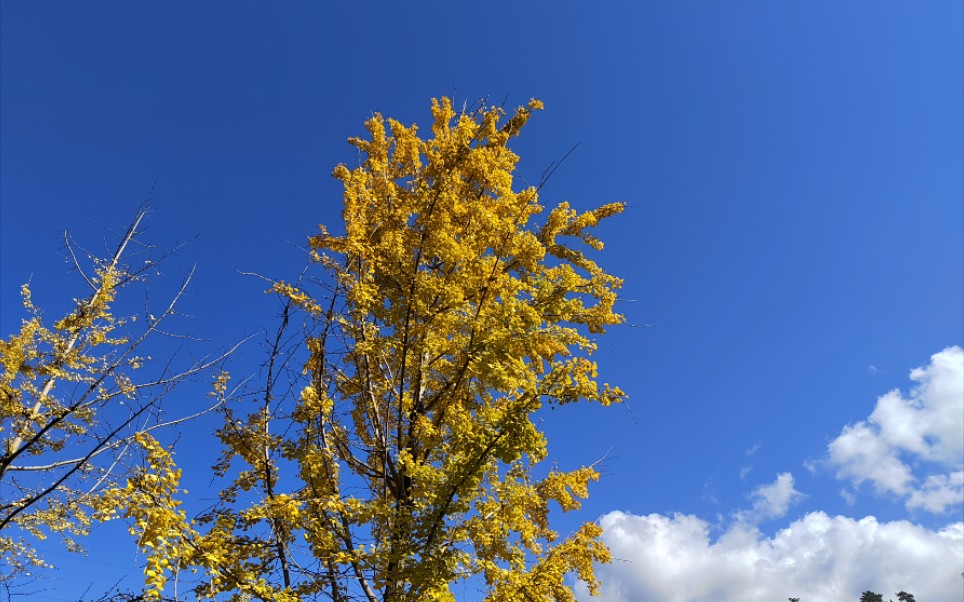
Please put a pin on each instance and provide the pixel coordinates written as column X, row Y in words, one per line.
column 911, row 446
column 939, row 492
column 773, row 500
column 923, row 430
column 860, row 454
column 817, row 558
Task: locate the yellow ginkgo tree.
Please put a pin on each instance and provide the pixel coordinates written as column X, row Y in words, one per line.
column 74, row 400
column 405, row 461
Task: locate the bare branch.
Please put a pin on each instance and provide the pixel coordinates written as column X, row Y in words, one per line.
column 77, row 266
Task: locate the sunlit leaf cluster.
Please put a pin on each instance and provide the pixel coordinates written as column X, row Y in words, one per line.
column 72, row 399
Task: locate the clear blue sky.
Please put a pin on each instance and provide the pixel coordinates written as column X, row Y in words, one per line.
column 795, row 236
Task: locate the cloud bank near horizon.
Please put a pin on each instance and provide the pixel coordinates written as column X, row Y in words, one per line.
column 818, row 558
column 910, row 447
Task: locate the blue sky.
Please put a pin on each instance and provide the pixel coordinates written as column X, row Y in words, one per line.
column 793, row 247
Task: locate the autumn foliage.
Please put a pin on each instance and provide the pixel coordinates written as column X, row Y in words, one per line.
column 73, row 400
column 407, row 459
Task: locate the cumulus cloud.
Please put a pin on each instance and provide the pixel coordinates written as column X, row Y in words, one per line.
column 773, row 500
column 817, row 558
column 911, row 445
column 861, row 454
column 923, row 430
column 939, row 492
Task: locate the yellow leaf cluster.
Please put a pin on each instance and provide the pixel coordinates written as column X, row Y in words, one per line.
column 82, row 354
column 149, row 499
